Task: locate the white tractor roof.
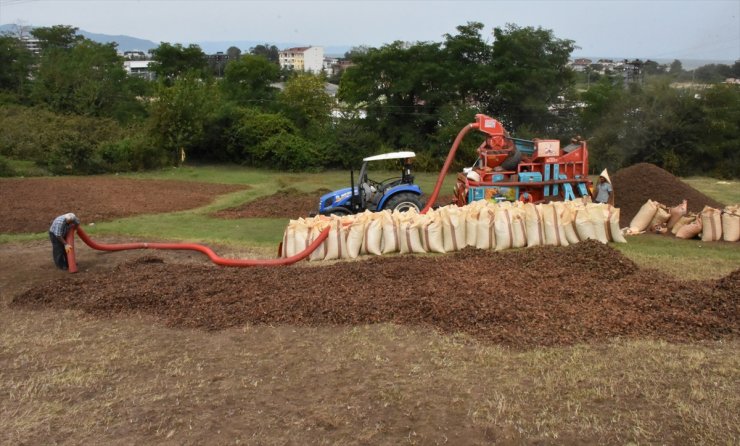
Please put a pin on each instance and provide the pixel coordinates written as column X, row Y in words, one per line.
column 390, row 156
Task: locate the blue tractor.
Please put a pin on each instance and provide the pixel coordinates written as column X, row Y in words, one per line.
column 397, row 193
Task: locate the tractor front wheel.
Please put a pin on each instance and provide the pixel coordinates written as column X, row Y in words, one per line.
column 403, row 202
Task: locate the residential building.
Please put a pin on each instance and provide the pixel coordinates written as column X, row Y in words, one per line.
column 135, row 55
column 139, row 68
column 580, row 64
column 309, row 58
column 32, row 44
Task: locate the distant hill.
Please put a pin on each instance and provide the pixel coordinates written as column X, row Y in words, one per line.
column 128, row 43
column 124, row 43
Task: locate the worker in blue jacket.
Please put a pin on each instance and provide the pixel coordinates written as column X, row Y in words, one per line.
column 58, row 230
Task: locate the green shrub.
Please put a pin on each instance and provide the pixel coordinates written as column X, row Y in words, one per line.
column 72, row 155
column 6, row 170
column 132, row 153
column 288, row 152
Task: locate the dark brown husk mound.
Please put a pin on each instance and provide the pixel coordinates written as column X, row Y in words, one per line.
column 545, row 296
column 634, row 185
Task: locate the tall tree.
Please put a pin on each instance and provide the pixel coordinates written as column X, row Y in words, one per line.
column 234, row 53
column 16, row 62
column 172, row 61
column 247, row 80
column 401, row 86
column 467, row 56
column 180, row 115
column 305, row 101
column 269, row 52
column 86, row 79
column 57, row 36
column 529, row 71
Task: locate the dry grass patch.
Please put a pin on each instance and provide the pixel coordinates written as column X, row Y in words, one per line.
column 72, row 379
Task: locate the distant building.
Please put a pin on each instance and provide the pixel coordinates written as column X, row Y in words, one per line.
column 139, row 68
column 135, row 55
column 32, row 44
column 217, row 62
column 580, row 64
column 309, row 59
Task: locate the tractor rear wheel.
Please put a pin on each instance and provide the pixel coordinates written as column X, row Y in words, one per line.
column 403, row 202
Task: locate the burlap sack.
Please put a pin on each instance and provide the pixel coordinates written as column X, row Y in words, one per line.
column 644, row 216
column 731, row 223
column 711, row 224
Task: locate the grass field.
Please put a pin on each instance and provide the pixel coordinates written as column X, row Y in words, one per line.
column 69, row 378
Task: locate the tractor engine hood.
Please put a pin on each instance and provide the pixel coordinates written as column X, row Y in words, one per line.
column 336, row 198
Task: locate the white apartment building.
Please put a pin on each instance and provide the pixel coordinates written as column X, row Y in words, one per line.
column 309, row 58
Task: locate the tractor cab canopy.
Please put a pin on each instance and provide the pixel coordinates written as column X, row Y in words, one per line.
column 406, row 176
column 390, row 156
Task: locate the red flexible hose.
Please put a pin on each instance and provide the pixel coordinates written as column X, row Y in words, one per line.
column 215, row 258
column 446, row 167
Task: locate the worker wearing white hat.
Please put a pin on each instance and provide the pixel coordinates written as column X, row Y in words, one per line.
column 603, row 190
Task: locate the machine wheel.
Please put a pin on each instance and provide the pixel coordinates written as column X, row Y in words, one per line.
column 403, row 202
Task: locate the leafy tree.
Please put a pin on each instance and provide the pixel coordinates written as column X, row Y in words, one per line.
column 16, row 62
column 356, row 51
column 180, row 116
column 713, row 73
column 248, row 80
column 86, row 79
column 57, row 36
column 468, row 56
column 269, row 52
column 676, row 68
column 305, row 101
column 234, row 53
column 735, row 71
column 173, row 61
column 718, row 152
column 401, row 86
column 529, row 72
column 652, row 68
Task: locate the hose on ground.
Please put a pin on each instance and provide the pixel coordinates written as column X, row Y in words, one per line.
column 215, row 258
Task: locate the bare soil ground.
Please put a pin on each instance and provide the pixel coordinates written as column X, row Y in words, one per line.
column 29, row 205
column 289, row 203
column 537, row 346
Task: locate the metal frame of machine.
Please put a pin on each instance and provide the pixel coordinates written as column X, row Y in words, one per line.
column 516, row 169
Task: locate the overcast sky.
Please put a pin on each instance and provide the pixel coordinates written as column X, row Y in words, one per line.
column 648, row 29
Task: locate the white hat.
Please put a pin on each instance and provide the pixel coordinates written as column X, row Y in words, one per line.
column 605, row 174
column 70, row 216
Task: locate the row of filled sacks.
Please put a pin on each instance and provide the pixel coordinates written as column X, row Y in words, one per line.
column 481, row 224
column 710, row 224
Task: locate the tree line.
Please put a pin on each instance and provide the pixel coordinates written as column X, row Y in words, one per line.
column 73, row 109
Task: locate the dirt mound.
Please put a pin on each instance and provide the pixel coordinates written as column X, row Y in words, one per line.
column 287, row 203
column 30, row 204
column 634, row 185
column 587, row 292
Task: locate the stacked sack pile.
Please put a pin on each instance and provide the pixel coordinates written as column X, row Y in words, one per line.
column 481, row 224
column 710, row 224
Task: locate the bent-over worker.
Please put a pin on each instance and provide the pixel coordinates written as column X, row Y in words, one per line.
column 58, row 230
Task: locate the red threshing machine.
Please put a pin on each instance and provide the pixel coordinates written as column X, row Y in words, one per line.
column 517, row 169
